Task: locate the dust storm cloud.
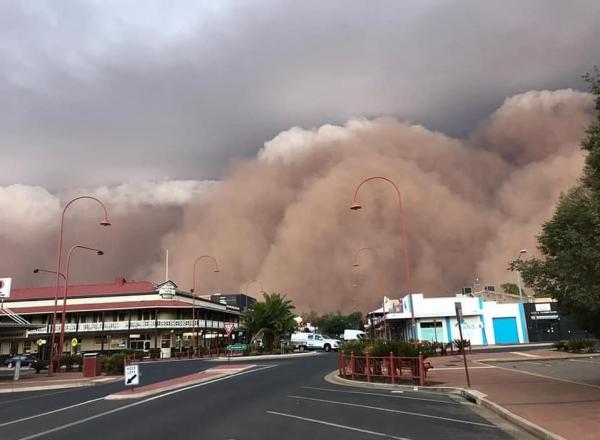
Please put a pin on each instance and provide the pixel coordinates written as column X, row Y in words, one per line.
column 470, row 205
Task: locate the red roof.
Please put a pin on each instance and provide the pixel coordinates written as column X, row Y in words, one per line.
column 82, row 290
column 158, row 304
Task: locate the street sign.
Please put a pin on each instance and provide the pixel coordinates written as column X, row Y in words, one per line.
column 5, row 287
column 74, row 342
column 132, row 375
column 229, row 327
column 458, row 307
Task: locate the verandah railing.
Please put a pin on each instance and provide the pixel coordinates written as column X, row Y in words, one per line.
column 388, row 368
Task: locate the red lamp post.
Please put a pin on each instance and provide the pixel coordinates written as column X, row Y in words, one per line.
column 64, row 307
column 215, row 269
column 103, row 222
column 355, row 205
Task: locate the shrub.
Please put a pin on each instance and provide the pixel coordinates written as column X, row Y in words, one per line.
column 581, row 345
column 67, row 360
column 115, row 364
column 561, row 345
column 462, row 344
column 359, row 348
column 155, row 353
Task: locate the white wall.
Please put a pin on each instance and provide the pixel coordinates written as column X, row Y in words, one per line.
column 494, row 310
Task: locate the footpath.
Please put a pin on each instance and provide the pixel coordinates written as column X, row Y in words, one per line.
column 568, row 408
column 41, row 381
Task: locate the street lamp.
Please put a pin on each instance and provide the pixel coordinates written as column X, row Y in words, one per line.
column 379, row 275
column 356, row 205
column 104, row 222
column 216, row 269
column 36, row 270
column 521, row 252
column 64, row 308
column 248, row 284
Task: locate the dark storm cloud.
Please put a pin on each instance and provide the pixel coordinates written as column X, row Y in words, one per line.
column 111, row 92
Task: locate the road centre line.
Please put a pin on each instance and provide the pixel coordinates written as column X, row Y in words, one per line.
column 463, row 368
column 140, row 402
column 335, row 425
column 395, row 396
column 377, row 408
column 50, row 412
column 38, row 395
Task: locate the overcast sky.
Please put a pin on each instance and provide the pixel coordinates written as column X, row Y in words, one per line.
column 108, row 92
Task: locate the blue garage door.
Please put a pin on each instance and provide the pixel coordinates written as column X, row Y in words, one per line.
column 505, row 330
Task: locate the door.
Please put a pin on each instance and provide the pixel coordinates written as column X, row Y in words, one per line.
column 505, row 330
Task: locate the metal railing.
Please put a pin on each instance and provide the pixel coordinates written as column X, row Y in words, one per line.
column 392, row 369
column 13, row 316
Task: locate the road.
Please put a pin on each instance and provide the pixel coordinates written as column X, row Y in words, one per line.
column 282, row 399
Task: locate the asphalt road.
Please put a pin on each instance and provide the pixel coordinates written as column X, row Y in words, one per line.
column 283, row 399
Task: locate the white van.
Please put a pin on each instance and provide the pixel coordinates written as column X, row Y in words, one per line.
column 352, row 335
column 313, row 341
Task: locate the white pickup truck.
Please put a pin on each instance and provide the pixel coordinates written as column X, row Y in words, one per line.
column 313, row 341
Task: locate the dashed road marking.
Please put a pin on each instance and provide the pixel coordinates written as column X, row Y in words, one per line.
column 377, row 408
column 382, row 395
column 335, row 425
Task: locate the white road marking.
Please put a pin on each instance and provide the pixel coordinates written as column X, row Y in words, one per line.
column 381, row 395
column 462, row 368
column 131, row 405
column 50, row 412
column 585, row 361
column 38, row 395
column 516, row 370
column 335, row 402
column 335, row 425
column 518, row 353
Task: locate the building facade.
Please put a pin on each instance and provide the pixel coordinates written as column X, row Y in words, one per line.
column 136, row 315
column 483, row 322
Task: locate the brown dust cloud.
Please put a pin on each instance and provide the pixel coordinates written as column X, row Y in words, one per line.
column 283, row 218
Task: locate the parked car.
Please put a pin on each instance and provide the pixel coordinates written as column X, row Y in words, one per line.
column 313, row 341
column 26, row 360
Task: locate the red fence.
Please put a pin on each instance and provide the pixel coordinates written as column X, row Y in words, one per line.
column 389, row 368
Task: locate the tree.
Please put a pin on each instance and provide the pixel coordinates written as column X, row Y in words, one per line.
column 334, row 324
column 270, row 318
column 511, row 289
column 569, row 267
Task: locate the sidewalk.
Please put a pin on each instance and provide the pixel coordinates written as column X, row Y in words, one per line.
column 37, row 382
column 566, row 408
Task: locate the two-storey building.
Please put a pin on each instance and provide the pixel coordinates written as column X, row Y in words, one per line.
column 121, row 315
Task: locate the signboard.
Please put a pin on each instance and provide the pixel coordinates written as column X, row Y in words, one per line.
column 5, row 287
column 74, row 342
column 132, row 375
column 458, row 307
column 40, row 342
column 229, row 327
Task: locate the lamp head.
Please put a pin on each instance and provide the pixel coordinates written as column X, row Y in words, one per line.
column 105, row 222
column 191, row 290
column 523, row 251
column 355, row 205
column 100, row 252
column 36, row 270
column 216, row 270
column 355, row 264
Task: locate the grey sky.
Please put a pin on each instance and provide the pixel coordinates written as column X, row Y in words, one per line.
column 105, row 92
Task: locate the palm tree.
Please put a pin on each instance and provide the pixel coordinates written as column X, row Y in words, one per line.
column 270, row 318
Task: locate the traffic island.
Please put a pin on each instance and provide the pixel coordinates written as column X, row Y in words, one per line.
column 138, row 392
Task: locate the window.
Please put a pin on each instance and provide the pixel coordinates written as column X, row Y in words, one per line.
column 27, row 346
column 165, row 341
column 432, row 324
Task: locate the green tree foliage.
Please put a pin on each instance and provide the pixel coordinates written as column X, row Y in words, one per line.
column 511, row 289
column 569, row 267
column 270, row 318
column 334, row 324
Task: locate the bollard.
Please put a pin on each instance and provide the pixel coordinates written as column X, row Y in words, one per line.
column 17, row 369
column 392, row 368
